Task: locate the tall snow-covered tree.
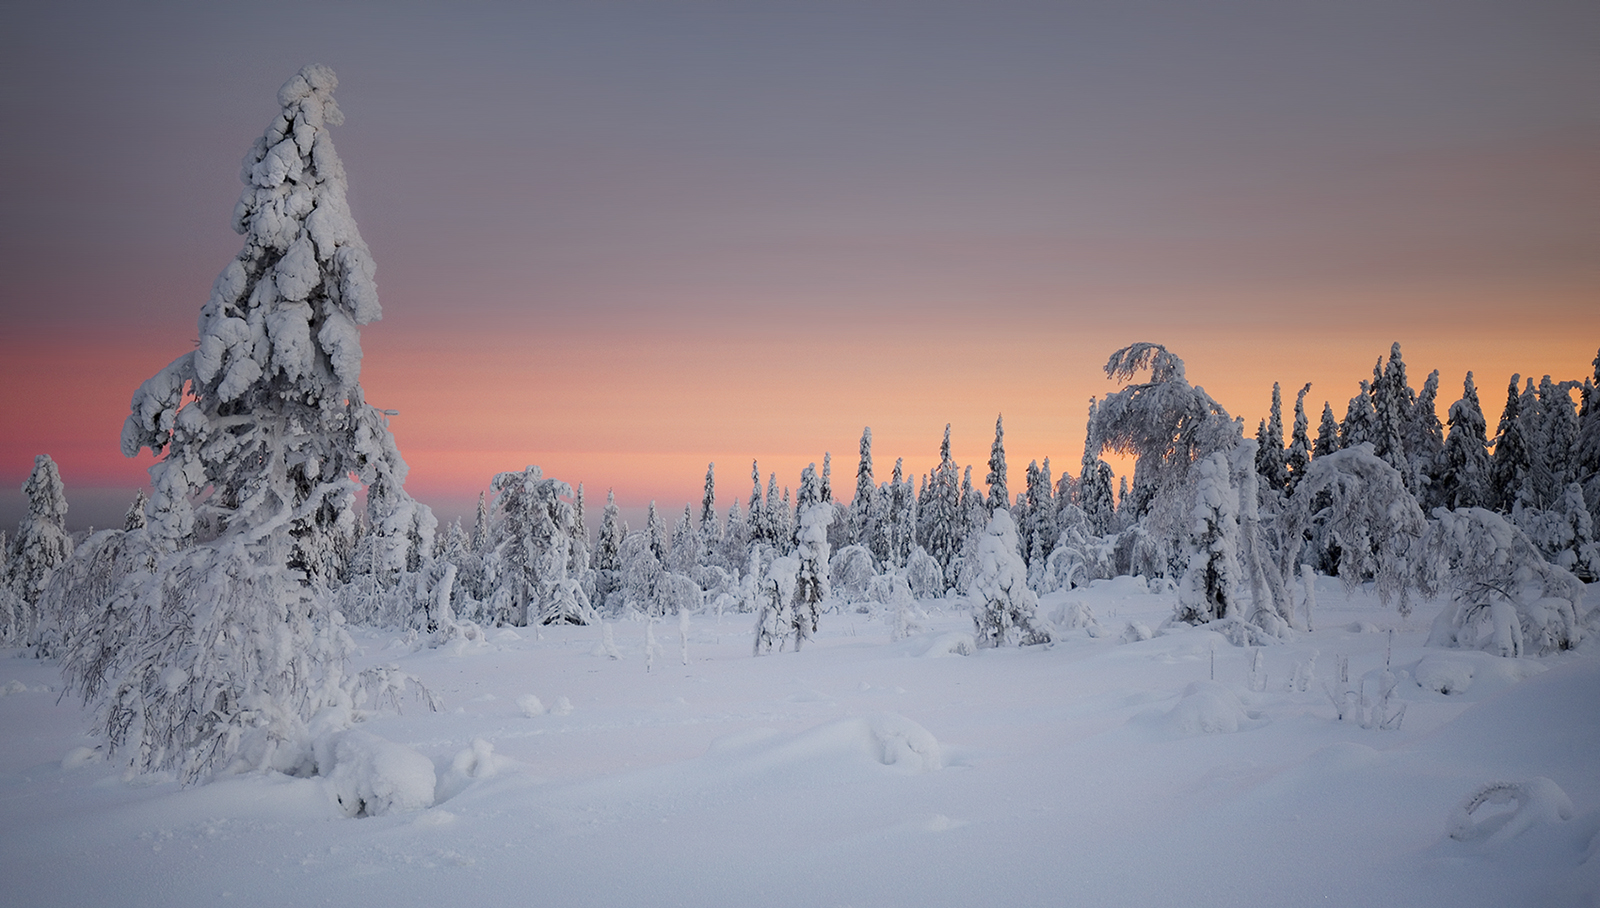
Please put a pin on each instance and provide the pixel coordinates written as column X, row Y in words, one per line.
column 1094, row 481
column 863, row 517
column 1424, row 442
column 709, row 532
column 1269, row 446
column 811, row 553
column 264, row 438
column 1508, row 467
column 1360, row 425
column 1298, row 459
column 606, row 561
column 657, row 531
column 1327, row 433
column 1586, row 450
column 941, row 521
column 999, row 496
column 685, row 543
column 41, row 545
column 1392, row 404
column 1464, row 474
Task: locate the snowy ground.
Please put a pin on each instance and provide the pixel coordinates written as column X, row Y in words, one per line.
column 863, row 772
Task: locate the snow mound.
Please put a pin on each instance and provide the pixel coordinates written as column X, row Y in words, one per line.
column 954, row 643
column 369, row 776
column 1076, row 614
column 476, row 762
column 1538, row 801
column 884, row 738
column 1456, row 672
column 1446, row 676
column 1208, row 708
column 530, row 706
column 1136, row 631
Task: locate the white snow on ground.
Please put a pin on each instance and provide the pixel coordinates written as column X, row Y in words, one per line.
column 1095, row 771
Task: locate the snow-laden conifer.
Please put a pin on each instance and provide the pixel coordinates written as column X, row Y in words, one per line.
column 1360, row 420
column 862, row 518
column 999, row 496
column 1464, row 474
column 1298, row 458
column 941, row 521
column 1212, row 589
column 1508, row 467
column 228, row 646
column 1005, row 611
column 1327, row 433
column 40, row 546
column 1270, row 461
column 811, row 555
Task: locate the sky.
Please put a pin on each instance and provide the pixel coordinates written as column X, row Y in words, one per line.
column 623, row 240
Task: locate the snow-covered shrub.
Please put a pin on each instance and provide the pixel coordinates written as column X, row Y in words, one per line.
column 1507, row 598
column 369, row 776
column 1004, row 610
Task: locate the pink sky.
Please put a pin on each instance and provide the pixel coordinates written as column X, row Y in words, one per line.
column 622, row 243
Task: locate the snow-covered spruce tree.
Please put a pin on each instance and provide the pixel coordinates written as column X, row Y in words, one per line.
column 134, row 518
column 1464, row 470
column 811, row 553
column 1212, row 589
column 1327, row 433
column 1508, row 467
column 228, row 646
column 1586, row 450
column 941, row 523
column 1168, row 425
column 861, row 523
column 1360, row 420
column 1270, row 461
column 999, row 496
column 708, row 542
column 1552, row 434
column 1359, row 504
column 1005, row 611
column 1507, row 598
column 1094, row 480
column 40, row 547
column 530, row 527
column 641, row 574
column 1425, row 443
column 1392, row 405
column 1298, row 458
column 682, row 555
column 606, row 561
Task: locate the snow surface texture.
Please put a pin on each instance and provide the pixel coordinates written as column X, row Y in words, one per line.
column 860, row 772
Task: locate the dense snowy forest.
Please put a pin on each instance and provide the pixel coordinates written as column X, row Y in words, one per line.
column 210, row 631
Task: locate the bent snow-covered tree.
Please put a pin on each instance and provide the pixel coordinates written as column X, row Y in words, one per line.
column 227, row 647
